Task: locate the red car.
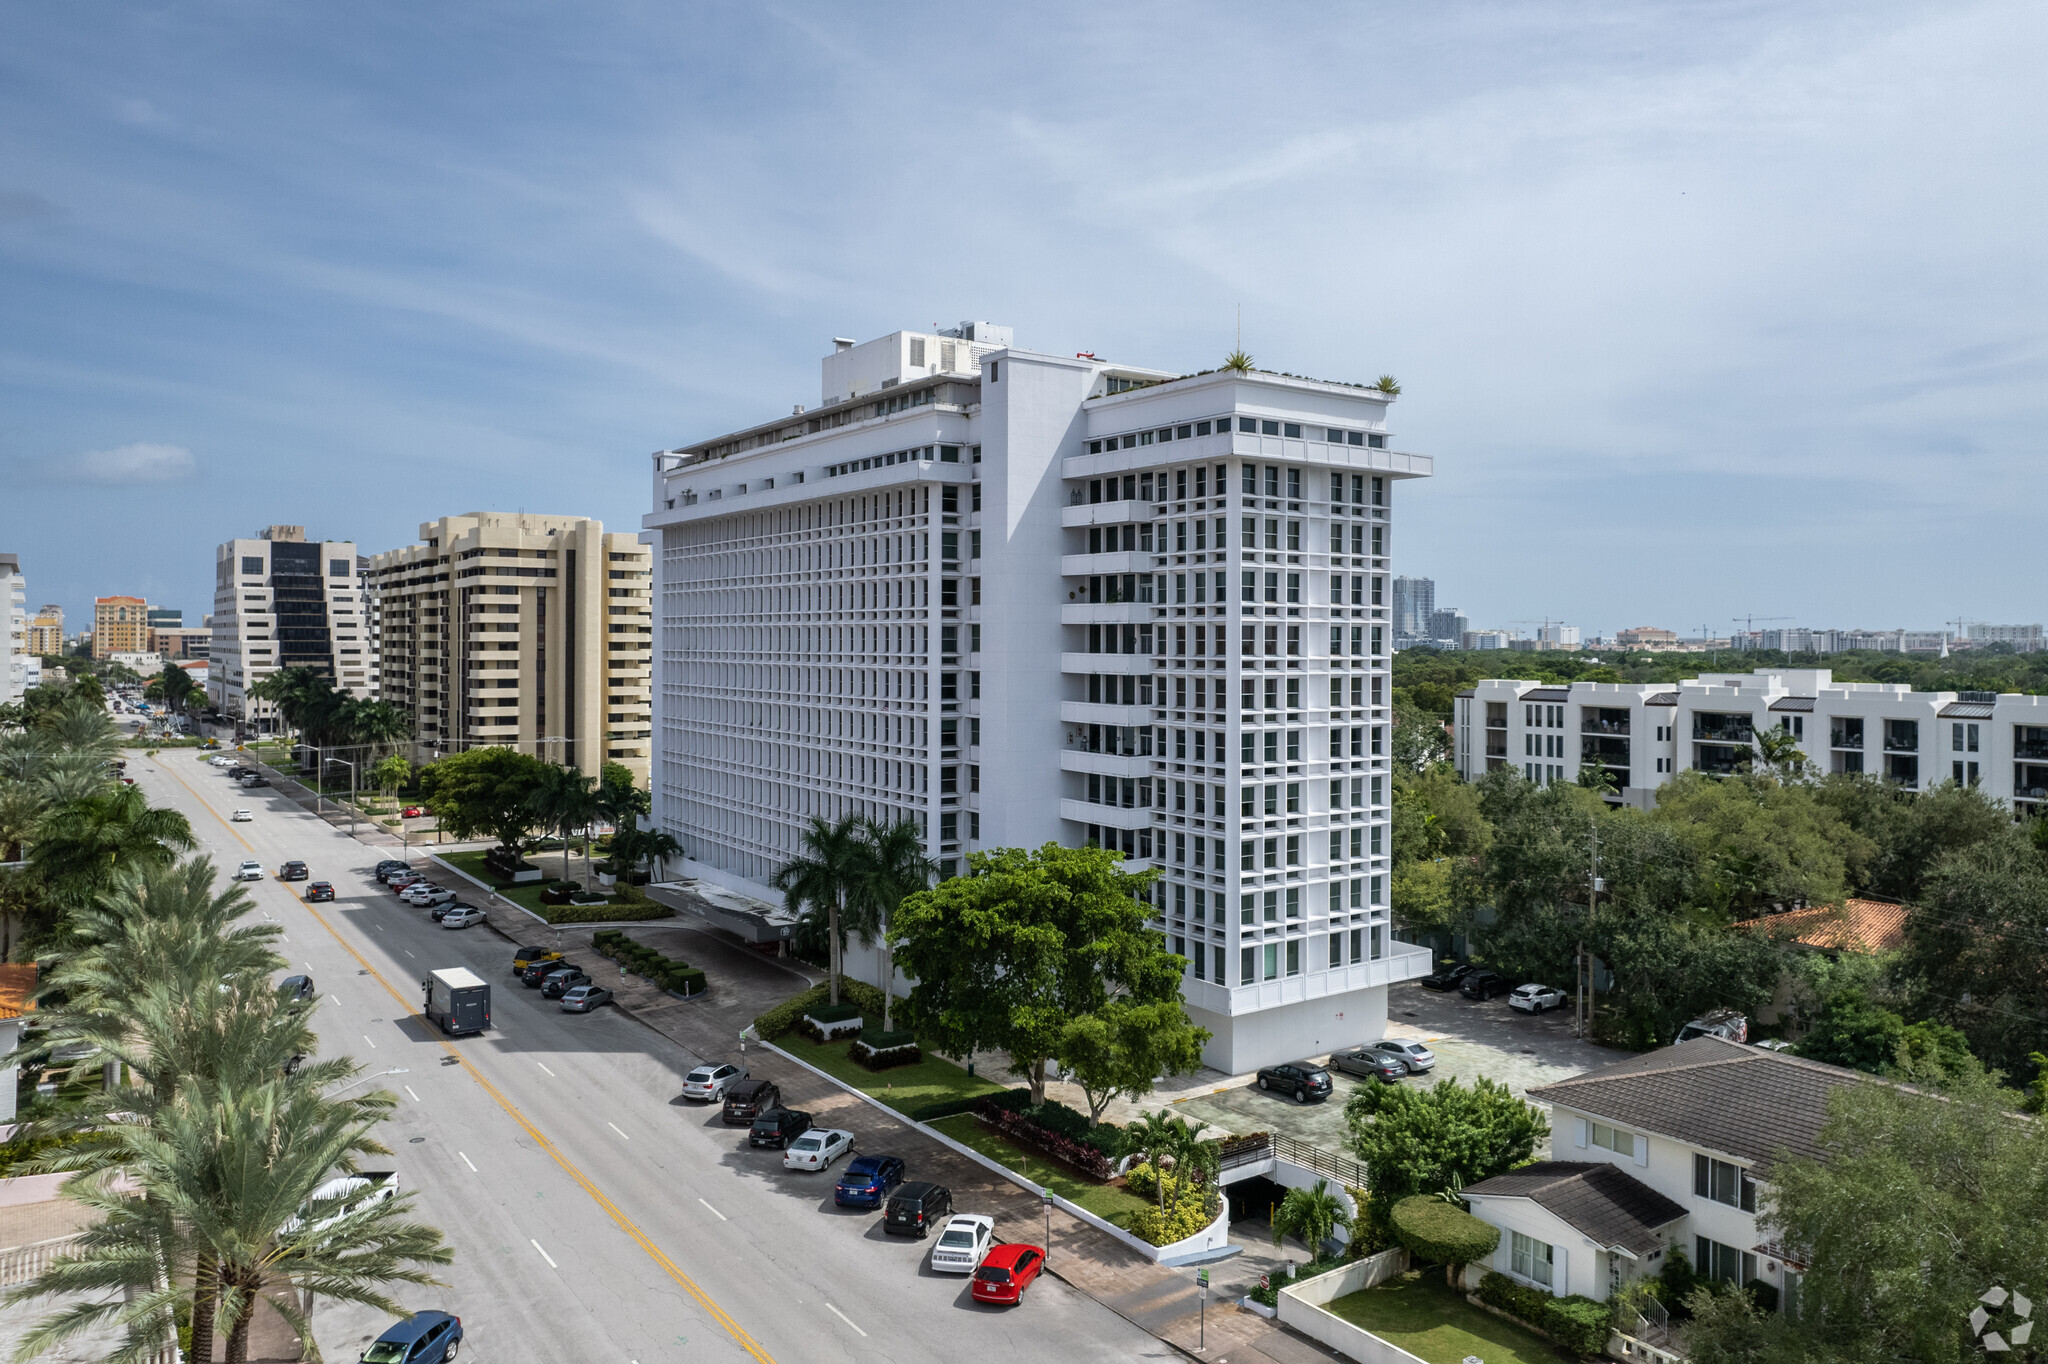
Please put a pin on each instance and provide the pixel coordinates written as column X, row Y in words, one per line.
column 412, row 812
column 1006, row 1273
column 404, row 879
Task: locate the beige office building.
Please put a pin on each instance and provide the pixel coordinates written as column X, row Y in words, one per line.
column 46, row 632
column 120, row 626
column 282, row 601
column 520, row 629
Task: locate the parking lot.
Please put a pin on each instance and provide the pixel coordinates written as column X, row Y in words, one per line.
column 1471, row 1038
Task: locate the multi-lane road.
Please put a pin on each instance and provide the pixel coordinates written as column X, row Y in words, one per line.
column 593, row 1217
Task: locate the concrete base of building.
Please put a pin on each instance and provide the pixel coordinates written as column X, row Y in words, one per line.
column 1288, row 1032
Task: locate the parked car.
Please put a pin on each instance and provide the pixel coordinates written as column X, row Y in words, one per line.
column 711, row 1082
column 425, row 1338
column 1006, row 1273
column 523, row 957
column 1729, row 1024
column 1305, row 1080
column 778, row 1127
column 296, row 987
column 918, row 1207
column 1447, row 977
column 250, row 870
column 583, row 998
column 539, row 970
column 424, row 893
column 1368, row 1064
column 465, row 917
column 816, row 1149
column 293, row 870
column 254, row 779
column 389, row 868
column 319, row 892
column 398, row 881
column 1413, row 1056
column 867, row 1181
column 962, row 1245
column 240, row 817
column 412, row 812
column 436, row 913
column 748, row 1100
column 1484, row 985
column 1534, row 999
column 559, row 983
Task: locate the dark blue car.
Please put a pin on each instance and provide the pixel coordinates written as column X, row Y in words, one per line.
column 428, row 1338
column 868, row 1182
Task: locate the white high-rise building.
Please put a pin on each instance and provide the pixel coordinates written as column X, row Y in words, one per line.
column 15, row 660
column 1025, row 598
column 281, row 601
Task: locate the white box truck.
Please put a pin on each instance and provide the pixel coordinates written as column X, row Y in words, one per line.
column 458, row 1000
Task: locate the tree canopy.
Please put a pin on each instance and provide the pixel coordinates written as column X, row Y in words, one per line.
column 484, row 793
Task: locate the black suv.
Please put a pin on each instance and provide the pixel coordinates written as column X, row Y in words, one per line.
column 390, row 867
column 749, row 1099
column 917, row 1208
column 778, row 1127
column 294, row 870
column 1484, row 985
column 538, row 971
column 1305, row 1080
column 1446, row 977
column 558, row 983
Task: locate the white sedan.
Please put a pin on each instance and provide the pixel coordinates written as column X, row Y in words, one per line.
column 249, row 871
column 963, row 1244
column 241, row 817
column 426, row 893
column 817, row 1149
column 1534, row 999
column 462, row 918
column 711, row 1082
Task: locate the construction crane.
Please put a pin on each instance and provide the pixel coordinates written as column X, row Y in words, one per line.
column 1748, row 623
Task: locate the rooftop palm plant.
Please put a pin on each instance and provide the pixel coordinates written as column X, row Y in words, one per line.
column 1238, row 361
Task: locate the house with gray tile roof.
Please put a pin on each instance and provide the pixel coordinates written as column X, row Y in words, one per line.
column 1672, row 1149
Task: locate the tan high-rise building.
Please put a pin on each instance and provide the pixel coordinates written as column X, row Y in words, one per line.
column 120, row 625
column 46, row 632
column 520, row 629
column 283, row 601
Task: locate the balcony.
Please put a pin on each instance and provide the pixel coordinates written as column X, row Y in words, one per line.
column 1604, row 751
column 2035, row 749
column 1105, row 663
column 1843, row 738
column 1106, row 764
column 1497, row 745
column 1105, row 613
column 1098, row 713
column 1122, row 561
column 1112, row 816
column 1714, row 730
column 1722, row 761
column 1589, row 725
column 1105, row 514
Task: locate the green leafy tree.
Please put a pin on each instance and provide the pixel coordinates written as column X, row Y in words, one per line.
column 1758, row 842
column 1121, row 1048
column 1008, row 955
column 391, row 773
column 1420, row 1141
column 1441, row 1232
column 823, row 880
column 1850, row 1030
column 1312, row 1215
column 483, row 792
column 1976, row 950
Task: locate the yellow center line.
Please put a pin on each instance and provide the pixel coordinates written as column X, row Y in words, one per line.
column 597, row 1195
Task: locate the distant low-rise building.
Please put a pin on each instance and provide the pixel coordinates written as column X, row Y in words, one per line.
column 1645, row 637
column 1642, row 734
column 181, row 641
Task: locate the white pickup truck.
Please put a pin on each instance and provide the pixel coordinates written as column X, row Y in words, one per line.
column 341, row 1196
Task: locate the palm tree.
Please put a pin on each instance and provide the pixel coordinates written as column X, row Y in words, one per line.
column 890, row 864
column 21, row 809
column 80, row 724
column 81, row 847
column 71, row 775
column 823, row 879
column 564, row 799
column 1238, row 361
column 1153, row 1140
column 22, row 755
column 1389, row 385
column 1311, row 1214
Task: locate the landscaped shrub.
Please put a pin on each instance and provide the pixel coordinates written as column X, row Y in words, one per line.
column 1181, row 1221
column 834, row 1013
column 1442, row 1233
column 1498, row 1290
column 1022, row 1129
column 666, row 973
column 868, row 1054
column 597, row 914
column 1576, row 1322
column 1764, row 1295
column 781, row 1019
column 882, row 1041
column 939, row 1108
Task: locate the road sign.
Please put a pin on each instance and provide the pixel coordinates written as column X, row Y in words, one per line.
column 1202, row 1277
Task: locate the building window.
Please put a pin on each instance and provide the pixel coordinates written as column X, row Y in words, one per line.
column 1612, row 1139
column 1531, row 1259
column 1723, row 1183
column 1724, row 1264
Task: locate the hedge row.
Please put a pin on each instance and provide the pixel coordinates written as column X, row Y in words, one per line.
column 871, row 1057
column 780, row 1020
column 664, row 972
column 835, row 1013
column 598, row 914
column 1577, row 1322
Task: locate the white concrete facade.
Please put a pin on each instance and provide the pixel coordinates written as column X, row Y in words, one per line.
column 281, row 601
column 1645, row 733
column 1051, row 599
column 14, row 671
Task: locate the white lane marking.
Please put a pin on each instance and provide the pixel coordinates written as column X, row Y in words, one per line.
column 366, row 1038
column 470, row 1163
column 408, row 954
column 615, row 1127
column 415, row 1097
column 543, row 1066
column 843, row 1317
column 307, row 964
column 715, row 1212
column 552, row 1265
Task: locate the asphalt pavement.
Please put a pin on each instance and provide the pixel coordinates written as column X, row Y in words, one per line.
column 594, row 1215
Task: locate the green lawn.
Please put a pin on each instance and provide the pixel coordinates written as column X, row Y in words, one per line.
column 902, row 1087
column 527, row 895
column 1110, row 1203
column 1421, row 1313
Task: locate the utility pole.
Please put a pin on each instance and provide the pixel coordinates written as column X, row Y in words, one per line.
column 1583, row 1019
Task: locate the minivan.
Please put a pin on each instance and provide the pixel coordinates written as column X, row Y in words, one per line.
column 918, row 1207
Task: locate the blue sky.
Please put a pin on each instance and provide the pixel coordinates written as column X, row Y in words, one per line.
column 1704, row 310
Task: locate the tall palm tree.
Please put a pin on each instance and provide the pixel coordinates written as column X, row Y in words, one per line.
column 565, row 800
column 80, row 724
column 23, row 755
column 822, row 878
column 81, row 847
column 21, row 810
column 73, row 774
column 890, row 864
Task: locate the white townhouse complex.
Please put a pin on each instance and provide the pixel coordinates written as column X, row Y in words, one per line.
column 282, row 601
column 1644, row 733
column 1024, row 598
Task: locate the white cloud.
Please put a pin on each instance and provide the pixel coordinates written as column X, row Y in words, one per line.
column 141, row 462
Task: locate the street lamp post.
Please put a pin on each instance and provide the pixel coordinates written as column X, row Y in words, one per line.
column 316, row 774
column 351, row 794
